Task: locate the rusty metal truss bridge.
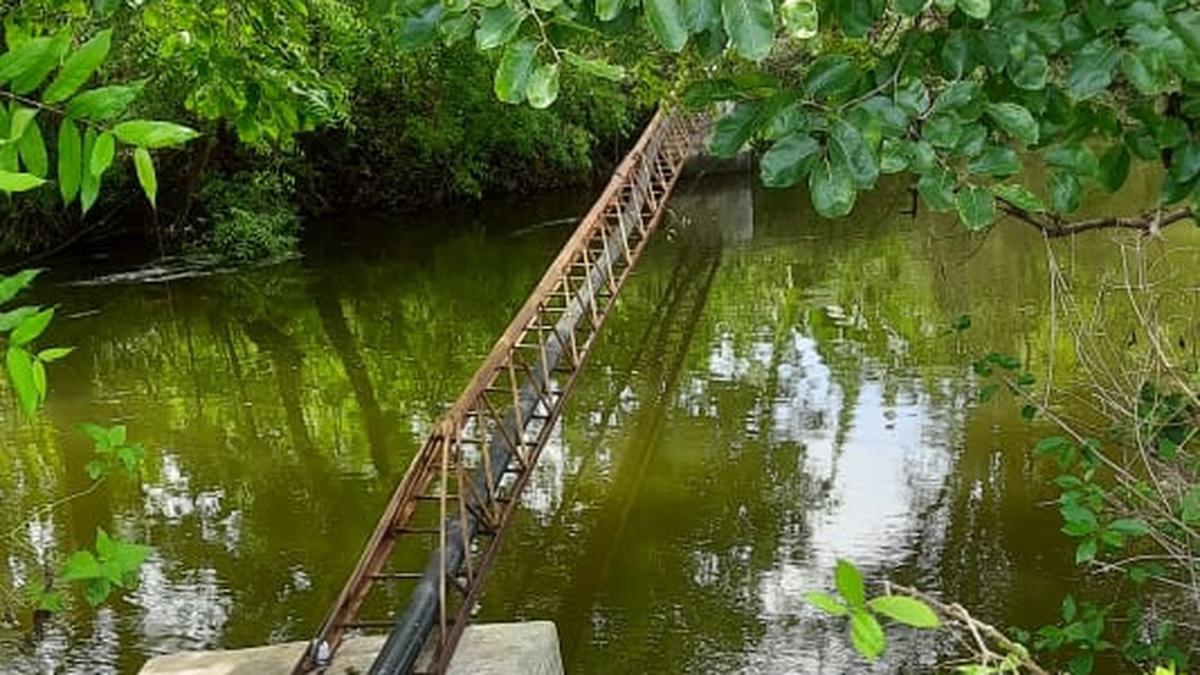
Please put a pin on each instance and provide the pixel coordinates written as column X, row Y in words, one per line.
column 442, row 527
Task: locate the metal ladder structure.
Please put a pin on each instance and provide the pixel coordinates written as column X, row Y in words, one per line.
column 461, row 490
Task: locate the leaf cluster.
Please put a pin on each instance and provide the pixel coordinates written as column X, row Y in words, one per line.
column 91, row 127
column 866, row 631
column 113, row 564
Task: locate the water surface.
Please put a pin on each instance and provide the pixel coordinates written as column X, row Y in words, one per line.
column 773, row 392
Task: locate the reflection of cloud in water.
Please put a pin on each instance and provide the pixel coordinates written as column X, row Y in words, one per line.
column 188, row 612
column 880, row 474
column 172, row 499
column 63, row 651
column 544, row 492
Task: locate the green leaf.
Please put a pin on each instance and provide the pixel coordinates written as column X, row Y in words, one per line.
column 98, row 434
column 1114, row 167
column 750, row 26
column 1069, row 608
column 908, row 611
column 1030, row 72
column 13, row 284
column 866, row 635
column 513, row 71
column 78, row 68
column 788, row 161
column 81, row 566
column 89, row 186
column 956, row 95
column 943, row 131
column 1133, row 527
column 497, row 25
column 596, row 67
column 39, row 67
column 20, row 376
column 955, row 54
column 666, row 23
column 856, row 17
column 997, row 161
column 1092, row 68
column 33, row 151
column 1185, row 24
column 991, row 47
column 1185, row 163
column 701, row 15
column 421, row 29
column 1065, row 191
column 129, row 557
column 1052, row 445
column 826, row 603
column 70, row 161
column 104, row 103
column 976, row 207
column 147, row 178
column 849, row 142
column 1078, row 158
column 1147, row 73
column 116, row 434
column 1086, row 551
column 19, row 182
column 1020, row 197
column 830, row 76
column 39, row 380
column 607, row 10
column 97, row 590
column 26, row 57
column 912, row 97
column 831, row 187
column 10, row 319
column 456, row 29
column 895, row 155
column 542, row 89
column 103, row 153
column 22, row 118
column 734, row 130
column 1014, row 120
column 937, row 190
column 849, row 583
column 53, row 354
column 153, row 135
column 31, row 327
column 976, row 9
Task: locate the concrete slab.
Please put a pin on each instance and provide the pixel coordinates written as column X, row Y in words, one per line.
column 524, row 648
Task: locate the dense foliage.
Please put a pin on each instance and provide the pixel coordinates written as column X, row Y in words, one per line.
column 961, row 94
column 321, row 101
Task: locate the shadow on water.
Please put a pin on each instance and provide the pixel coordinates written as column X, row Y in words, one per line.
column 773, row 392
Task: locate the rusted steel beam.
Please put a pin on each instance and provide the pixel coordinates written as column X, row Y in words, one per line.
column 484, row 450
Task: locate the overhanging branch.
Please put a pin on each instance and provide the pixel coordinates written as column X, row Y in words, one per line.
column 1054, row 226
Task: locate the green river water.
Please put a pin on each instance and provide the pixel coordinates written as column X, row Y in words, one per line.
column 772, row 393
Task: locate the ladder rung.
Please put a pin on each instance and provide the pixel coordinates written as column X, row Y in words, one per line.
column 367, row 624
column 395, row 576
column 416, row 530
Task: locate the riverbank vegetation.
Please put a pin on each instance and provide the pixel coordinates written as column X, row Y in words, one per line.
column 304, row 109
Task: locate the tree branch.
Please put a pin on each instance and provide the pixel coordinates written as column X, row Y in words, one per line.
column 1053, row 226
column 979, row 630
